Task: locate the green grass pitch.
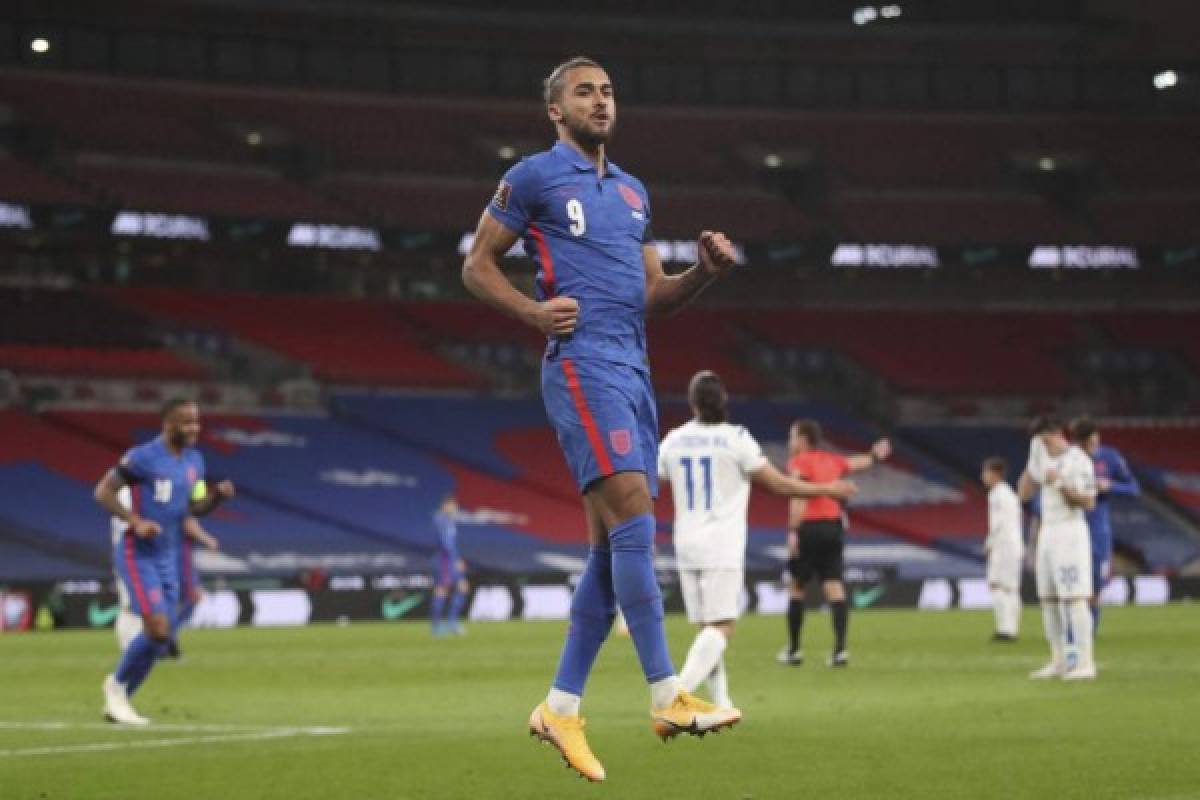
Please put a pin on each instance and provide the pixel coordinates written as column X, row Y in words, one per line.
column 929, row 709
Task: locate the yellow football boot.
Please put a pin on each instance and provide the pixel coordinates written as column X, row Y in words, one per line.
column 689, row 714
column 566, row 734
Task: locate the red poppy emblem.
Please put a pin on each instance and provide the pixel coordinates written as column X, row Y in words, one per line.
column 191, row 474
column 621, row 441
column 632, row 198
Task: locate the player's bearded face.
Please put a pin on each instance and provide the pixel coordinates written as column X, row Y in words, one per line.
column 184, row 426
column 589, row 111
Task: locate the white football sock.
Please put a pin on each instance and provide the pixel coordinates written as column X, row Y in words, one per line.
column 1080, row 617
column 999, row 609
column 1007, row 605
column 718, row 685
column 1056, row 630
column 563, row 703
column 1014, row 613
column 702, row 658
column 662, row 693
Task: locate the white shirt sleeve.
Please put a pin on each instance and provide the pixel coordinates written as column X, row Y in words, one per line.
column 1038, row 458
column 1081, row 476
column 749, row 453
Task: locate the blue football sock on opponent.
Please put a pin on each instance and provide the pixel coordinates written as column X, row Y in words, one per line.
column 137, row 661
column 637, row 591
column 439, row 609
column 593, row 608
column 1095, row 619
column 457, row 600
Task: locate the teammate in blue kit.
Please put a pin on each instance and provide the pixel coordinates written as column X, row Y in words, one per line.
column 586, row 224
column 450, row 571
column 162, row 475
column 1112, row 477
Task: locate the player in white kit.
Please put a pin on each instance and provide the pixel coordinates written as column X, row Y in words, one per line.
column 1066, row 478
column 711, row 464
column 1005, row 549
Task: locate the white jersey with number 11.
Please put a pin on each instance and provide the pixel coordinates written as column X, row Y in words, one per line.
column 710, row 469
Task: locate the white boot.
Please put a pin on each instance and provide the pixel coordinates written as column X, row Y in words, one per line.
column 116, row 704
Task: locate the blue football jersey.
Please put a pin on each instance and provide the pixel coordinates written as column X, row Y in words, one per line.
column 585, row 233
column 161, row 486
column 447, row 534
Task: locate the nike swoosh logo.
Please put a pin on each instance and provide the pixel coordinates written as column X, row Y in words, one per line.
column 395, row 609
column 865, row 598
column 102, row 617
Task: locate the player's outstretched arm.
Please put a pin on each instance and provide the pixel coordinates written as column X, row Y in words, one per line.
column 1122, row 480
column 880, row 451
column 668, row 294
column 106, row 496
column 483, row 277
column 776, row 482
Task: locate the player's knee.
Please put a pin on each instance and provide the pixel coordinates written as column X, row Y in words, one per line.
column 724, row 627
column 835, row 591
column 158, row 628
column 622, row 496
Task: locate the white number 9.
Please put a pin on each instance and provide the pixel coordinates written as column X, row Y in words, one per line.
column 575, row 212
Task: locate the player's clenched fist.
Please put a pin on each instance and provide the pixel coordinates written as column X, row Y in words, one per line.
column 717, row 255
column 145, row 528
column 557, row 316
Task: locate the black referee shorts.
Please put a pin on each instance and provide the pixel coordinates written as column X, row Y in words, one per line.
column 821, row 544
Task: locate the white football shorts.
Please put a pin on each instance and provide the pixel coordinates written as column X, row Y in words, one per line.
column 711, row 595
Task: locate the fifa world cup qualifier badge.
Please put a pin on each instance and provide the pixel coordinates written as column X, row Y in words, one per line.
column 500, row 199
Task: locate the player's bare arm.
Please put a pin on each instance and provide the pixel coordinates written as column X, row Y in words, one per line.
column 776, row 482
column 224, row 490
column 668, row 294
column 1026, row 487
column 880, row 451
column 484, row 278
column 106, row 496
column 193, row 530
column 1080, row 499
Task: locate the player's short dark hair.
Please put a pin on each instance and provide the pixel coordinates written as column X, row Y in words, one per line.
column 997, row 464
column 1082, row 428
column 1047, row 423
column 556, row 81
column 168, row 408
column 810, row 429
column 707, row 395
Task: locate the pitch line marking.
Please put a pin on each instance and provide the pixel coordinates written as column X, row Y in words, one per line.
column 231, row 735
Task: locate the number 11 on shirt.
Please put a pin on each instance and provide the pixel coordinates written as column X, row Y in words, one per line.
column 706, row 467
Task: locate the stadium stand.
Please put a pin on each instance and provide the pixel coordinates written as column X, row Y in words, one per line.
column 344, row 341
column 1166, row 455
column 68, row 332
column 883, row 178
column 959, row 351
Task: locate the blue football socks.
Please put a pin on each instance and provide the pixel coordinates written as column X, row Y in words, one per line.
column 592, row 611
column 137, row 661
column 637, row 591
column 457, row 600
column 437, row 612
